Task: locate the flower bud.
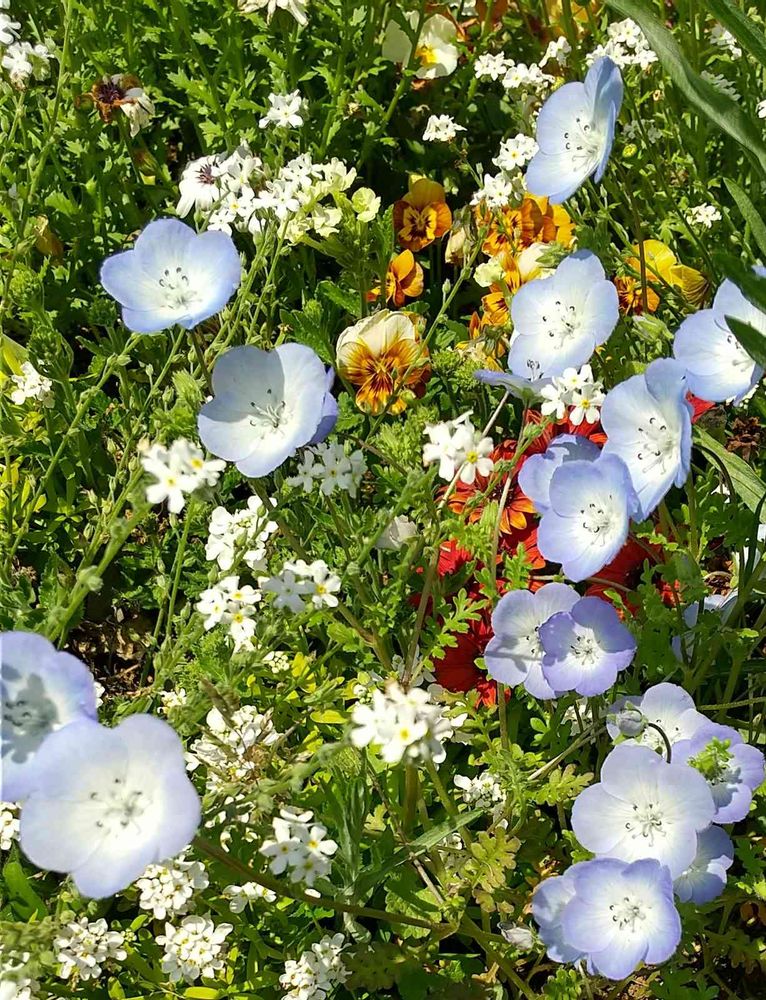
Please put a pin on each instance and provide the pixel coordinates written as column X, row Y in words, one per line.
column 630, row 721
column 365, row 203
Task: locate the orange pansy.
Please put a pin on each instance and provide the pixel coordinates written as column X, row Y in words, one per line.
column 404, row 279
column 382, row 355
column 422, row 215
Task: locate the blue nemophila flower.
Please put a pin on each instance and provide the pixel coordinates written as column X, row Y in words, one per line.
column 585, row 647
column 537, row 471
column 732, row 768
column 717, row 366
column 173, row 275
column 705, row 878
column 622, row 915
column 549, row 902
column 41, row 690
column 587, row 522
column 644, row 808
column 515, row 654
column 665, row 705
column 575, row 132
column 648, row 423
column 560, row 320
column 522, row 387
column 105, row 803
column 267, row 404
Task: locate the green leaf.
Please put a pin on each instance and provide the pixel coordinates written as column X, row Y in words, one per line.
column 749, row 213
column 714, row 104
column 23, row 897
column 748, row 486
column 743, row 28
column 750, row 338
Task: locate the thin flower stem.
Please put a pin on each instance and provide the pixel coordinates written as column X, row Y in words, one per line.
column 446, row 801
column 200, row 352
column 204, row 846
column 665, row 740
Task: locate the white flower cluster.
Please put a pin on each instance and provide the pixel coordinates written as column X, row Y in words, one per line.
column 632, row 131
column 240, row 896
column 499, row 190
column 575, row 391
column 402, row 725
column 167, row 889
column 82, row 947
column 720, row 82
column 9, row 825
column 483, row 791
column 330, row 466
column 703, row 216
column 626, row 46
column 15, row 984
column 458, row 448
column 723, row 39
column 441, row 128
column 284, row 111
column 21, row 60
column 247, row 530
column 194, row 948
column 30, row 384
column 228, row 603
column 299, row 581
column 299, row 845
column 230, row 753
column 317, row 972
column 237, row 191
column 178, row 470
column 515, row 153
column 520, row 76
column 172, row 700
column 297, row 8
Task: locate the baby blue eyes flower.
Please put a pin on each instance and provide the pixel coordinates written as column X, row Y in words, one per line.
column 549, row 903
column 665, row 705
column 587, row 522
column 267, row 404
column 732, row 768
column 621, row 915
column 575, row 132
column 559, row 321
column 586, row 647
column 173, row 275
column 644, row 808
column 537, row 471
column 718, row 368
column 105, row 803
column 705, row 878
column 41, row 690
column 515, row 654
column 647, row 420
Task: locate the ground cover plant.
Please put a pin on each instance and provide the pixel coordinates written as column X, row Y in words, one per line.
column 382, row 490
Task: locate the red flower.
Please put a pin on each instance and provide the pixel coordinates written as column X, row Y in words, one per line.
column 451, row 558
column 457, row 670
column 701, row 406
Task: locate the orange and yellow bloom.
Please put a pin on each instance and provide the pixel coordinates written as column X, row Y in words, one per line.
column 422, row 215
column 662, row 268
column 382, row 355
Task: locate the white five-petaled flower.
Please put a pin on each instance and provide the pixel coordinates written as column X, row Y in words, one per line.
column 284, row 111
column 194, row 948
column 436, row 51
column 441, row 128
column 178, row 471
column 30, row 384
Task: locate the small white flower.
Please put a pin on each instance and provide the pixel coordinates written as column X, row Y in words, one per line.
column 724, row 39
column 296, row 8
column 9, row 30
column 178, row 471
column 703, row 216
column 240, row 896
column 9, row 825
column 483, row 791
column 284, row 111
column 82, row 947
column 299, row 845
column 720, row 82
column 168, row 889
column 491, row 66
column 499, row 190
column 515, row 153
column 557, row 51
column 30, row 384
column 441, row 128
column 317, row 972
column 396, row 534
column 402, row 725
column 193, row 949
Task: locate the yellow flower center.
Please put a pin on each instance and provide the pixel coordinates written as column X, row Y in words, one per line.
column 427, row 55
